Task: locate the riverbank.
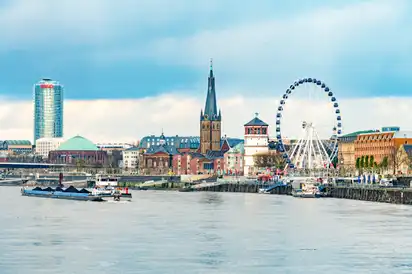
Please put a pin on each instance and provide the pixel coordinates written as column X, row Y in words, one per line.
column 375, row 194
column 382, row 195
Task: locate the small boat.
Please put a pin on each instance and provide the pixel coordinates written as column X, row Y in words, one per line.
column 307, row 190
column 115, row 193
column 70, row 193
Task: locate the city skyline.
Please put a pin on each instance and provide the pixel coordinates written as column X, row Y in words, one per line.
column 358, row 47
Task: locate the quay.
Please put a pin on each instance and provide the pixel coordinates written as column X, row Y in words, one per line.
column 373, row 194
column 394, row 195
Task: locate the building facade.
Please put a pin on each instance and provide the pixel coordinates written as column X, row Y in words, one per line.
column 79, row 151
column 158, row 159
column 45, row 145
column 256, row 142
column 48, row 109
column 131, row 158
column 16, row 147
column 210, row 120
column 346, row 152
column 234, row 160
column 382, row 145
column 194, row 163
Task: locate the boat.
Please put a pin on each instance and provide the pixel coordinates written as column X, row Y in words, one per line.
column 308, row 189
column 70, row 193
column 106, row 181
column 111, row 192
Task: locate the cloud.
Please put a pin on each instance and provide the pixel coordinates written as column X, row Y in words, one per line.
column 130, row 120
column 335, row 44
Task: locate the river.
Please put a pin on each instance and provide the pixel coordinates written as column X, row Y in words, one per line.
column 203, row 232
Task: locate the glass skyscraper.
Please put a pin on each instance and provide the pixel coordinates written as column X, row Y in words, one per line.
column 48, row 109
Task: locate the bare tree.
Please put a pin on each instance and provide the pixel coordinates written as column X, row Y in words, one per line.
column 269, row 159
column 398, row 158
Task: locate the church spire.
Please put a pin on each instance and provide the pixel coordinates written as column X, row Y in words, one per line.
column 211, row 106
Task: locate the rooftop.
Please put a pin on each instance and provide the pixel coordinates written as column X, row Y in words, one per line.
column 256, row 122
column 402, row 134
column 78, row 143
column 356, row 133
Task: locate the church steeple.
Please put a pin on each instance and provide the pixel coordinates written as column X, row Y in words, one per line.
column 210, row 112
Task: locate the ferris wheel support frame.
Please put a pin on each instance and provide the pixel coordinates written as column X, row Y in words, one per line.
column 314, row 150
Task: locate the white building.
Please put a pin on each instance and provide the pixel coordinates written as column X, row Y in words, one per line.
column 45, row 145
column 111, row 146
column 131, row 158
column 256, row 142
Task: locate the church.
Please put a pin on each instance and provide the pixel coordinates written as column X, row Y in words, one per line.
column 190, row 155
column 209, row 158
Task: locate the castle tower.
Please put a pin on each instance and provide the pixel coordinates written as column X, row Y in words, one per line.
column 256, row 142
column 210, row 119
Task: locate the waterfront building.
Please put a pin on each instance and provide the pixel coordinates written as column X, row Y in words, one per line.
column 210, row 119
column 381, row 145
column 79, row 151
column 158, row 159
column 130, row 158
column 45, row 145
column 234, row 161
column 256, row 142
column 16, row 146
column 48, row 109
column 193, row 163
column 346, row 152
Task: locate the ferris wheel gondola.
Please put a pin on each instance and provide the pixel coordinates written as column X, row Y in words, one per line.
column 310, row 152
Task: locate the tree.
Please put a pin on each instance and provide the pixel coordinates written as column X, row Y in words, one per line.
column 398, row 159
column 371, row 161
column 270, row 159
column 366, row 162
column 80, row 164
column 362, row 162
column 357, row 165
column 384, row 163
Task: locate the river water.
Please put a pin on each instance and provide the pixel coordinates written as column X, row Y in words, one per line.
column 203, row 232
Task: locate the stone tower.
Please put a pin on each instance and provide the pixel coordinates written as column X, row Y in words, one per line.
column 210, row 119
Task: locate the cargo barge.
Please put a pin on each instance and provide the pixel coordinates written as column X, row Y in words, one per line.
column 70, row 193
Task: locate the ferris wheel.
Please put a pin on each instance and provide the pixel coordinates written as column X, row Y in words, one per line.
column 310, row 152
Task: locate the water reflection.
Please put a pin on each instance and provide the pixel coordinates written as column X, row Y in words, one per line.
column 211, row 198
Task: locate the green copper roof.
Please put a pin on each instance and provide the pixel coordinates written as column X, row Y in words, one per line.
column 356, row 133
column 239, row 148
column 78, row 143
column 18, row 142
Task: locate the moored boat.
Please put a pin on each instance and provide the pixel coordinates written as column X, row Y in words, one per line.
column 110, row 192
column 70, row 193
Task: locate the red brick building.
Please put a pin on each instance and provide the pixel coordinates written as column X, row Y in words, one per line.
column 196, row 163
column 79, row 150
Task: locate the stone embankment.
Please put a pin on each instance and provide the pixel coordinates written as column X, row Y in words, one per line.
column 376, row 194
column 382, row 195
column 245, row 188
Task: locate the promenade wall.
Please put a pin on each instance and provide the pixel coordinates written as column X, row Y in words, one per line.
column 383, row 195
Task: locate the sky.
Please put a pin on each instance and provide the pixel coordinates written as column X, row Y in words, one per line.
column 132, row 68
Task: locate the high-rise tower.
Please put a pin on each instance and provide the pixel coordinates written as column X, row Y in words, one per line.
column 48, row 109
column 210, row 119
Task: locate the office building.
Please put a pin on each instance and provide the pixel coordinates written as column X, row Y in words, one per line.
column 48, row 109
